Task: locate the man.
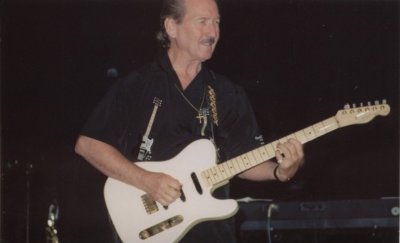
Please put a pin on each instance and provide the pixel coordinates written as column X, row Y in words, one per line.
column 130, row 124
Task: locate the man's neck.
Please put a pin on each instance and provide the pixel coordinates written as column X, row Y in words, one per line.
column 185, row 68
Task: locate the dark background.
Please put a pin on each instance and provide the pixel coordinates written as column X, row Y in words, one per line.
column 299, row 60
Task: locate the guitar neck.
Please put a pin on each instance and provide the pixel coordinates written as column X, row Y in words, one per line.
column 222, row 172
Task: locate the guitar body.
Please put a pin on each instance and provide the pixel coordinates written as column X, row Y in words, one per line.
column 136, row 224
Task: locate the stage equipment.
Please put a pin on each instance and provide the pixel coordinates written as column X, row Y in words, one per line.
column 367, row 220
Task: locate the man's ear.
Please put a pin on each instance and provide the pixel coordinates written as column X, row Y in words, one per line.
column 170, row 27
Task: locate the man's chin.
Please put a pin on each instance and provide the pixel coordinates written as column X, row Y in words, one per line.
column 206, row 56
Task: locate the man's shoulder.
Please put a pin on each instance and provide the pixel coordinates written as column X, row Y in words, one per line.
column 146, row 74
column 224, row 84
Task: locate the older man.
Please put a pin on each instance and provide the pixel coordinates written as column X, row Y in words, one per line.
column 158, row 110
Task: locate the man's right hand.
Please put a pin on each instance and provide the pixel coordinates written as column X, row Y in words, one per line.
column 161, row 187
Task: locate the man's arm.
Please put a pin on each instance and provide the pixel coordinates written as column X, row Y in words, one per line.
column 163, row 188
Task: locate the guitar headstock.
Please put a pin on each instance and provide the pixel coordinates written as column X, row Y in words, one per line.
column 358, row 115
column 157, row 101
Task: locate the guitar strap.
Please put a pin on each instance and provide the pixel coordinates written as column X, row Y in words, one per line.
column 212, row 103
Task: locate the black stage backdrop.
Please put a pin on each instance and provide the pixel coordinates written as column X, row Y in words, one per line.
column 299, row 60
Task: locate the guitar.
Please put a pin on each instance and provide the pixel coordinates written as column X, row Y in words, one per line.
column 138, row 218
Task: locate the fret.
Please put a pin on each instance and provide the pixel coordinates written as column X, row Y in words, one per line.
column 231, row 167
column 274, row 145
column 240, row 163
column 309, row 133
column 212, row 177
column 252, row 160
column 257, row 156
column 301, row 136
column 222, row 171
column 216, row 175
column 319, row 129
column 209, row 178
column 236, row 165
column 330, row 124
column 264, row 153
column 245, row 161
column 315, row 132
column 228, row 172
column 206, row 177
column 270, row 150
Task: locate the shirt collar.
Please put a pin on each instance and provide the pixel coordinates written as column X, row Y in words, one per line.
column 166, row 65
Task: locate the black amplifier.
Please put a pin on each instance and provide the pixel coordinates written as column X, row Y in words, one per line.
column 354, row 220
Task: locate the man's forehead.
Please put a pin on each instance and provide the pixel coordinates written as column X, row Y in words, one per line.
column 203, row 8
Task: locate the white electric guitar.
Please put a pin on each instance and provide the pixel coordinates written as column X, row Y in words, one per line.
column 138, row 218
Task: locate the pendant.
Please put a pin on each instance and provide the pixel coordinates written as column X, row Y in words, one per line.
column 201, row 118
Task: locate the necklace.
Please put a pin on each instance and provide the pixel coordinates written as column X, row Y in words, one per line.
column 201, row 113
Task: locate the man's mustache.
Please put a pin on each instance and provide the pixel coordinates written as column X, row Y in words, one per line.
column 209, row 40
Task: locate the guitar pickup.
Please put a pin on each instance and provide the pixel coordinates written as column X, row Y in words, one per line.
column 160, row 227
column 149, row 204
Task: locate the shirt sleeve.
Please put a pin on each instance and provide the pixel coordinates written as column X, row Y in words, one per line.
column 239, row 132
column 113, row 118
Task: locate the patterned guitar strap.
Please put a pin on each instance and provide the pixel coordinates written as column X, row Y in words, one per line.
column 212, row 101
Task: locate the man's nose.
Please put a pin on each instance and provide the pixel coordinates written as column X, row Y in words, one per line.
column 213, row 29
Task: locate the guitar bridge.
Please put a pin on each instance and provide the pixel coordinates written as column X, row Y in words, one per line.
column 149, row 204
column 160, row 227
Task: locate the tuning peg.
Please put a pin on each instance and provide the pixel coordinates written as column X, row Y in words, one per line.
column 361, row 104
column 369, row 103
column 346, row 106
column 376, row 102
column 384, row 101
column 354, row 106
